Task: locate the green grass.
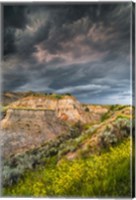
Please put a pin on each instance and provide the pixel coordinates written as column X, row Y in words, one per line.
column 111, row 111
column 15, row 166
column 107, row 175
column 3, row 108
column 53, row 95
column 105, row 116
column 123, row 116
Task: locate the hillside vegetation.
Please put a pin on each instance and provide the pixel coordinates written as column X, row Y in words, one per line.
column 91, row 158
column 97, row 176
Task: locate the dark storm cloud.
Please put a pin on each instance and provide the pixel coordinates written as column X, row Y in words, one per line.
column 59, row 26
column 82, row 49
column 16, row 80
column 14, row 18
column 9, row 41
column 61, row 16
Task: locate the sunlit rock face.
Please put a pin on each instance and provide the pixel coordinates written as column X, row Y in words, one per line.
column 25, row 129
column 67, row 108
column 31, row 121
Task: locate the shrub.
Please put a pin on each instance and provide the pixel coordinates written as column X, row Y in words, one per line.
column 36, row 157
column 113, row 107
column 53, row 151
column 57, row 96
column 107, row 175
column 105, row 116
column 87, row 109
column 123, row 122
column 68, row 94
column 108, row 138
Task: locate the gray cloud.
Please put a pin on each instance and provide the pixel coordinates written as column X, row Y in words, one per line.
column 82, row 49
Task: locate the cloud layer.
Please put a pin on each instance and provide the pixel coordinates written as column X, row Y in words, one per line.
column 81, row 49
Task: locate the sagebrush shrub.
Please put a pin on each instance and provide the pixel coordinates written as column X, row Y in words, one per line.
column 107, row 175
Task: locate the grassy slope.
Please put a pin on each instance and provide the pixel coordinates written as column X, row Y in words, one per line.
column 88, row 175
column 107, row 175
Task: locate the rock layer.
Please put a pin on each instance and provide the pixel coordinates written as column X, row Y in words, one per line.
column 26, row 129
column 66, row 108
column 31, row 121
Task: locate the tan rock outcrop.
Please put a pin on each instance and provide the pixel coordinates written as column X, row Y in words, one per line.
column 66, row 106
column 25, row 129
column 33, row 120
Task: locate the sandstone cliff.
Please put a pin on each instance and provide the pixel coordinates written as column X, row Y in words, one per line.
column 26, row 129
column 67, row 108
column 30, row 121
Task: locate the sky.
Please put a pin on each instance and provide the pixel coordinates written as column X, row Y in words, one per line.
column 82, row 49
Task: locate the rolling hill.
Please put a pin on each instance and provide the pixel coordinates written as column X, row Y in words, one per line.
column 49, row 136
